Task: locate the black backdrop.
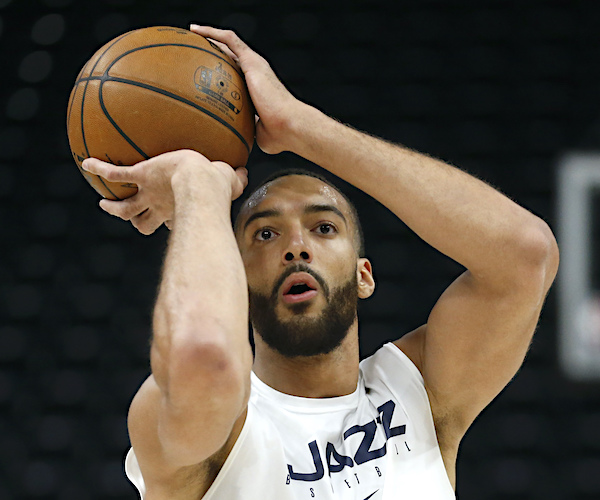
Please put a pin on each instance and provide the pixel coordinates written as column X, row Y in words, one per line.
column 500, row 88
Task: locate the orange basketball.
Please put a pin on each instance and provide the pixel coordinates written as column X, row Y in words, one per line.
column 155, row 90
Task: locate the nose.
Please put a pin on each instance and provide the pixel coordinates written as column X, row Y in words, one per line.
column 296, row 250
column 289, row 257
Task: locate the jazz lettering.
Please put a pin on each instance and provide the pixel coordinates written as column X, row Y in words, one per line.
column 336, row 462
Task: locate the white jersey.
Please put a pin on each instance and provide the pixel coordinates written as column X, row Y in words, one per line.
column 378, row 443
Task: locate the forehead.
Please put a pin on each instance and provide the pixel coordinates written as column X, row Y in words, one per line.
column 293, row 192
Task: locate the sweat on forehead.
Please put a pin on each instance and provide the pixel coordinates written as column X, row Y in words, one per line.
column 294, row 183
column 325, row 188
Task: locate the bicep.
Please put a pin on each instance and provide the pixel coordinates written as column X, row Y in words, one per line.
column 473, row 344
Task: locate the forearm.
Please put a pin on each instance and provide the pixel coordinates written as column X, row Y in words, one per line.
column 201, row 313
column 454, row 212
column 460, row 216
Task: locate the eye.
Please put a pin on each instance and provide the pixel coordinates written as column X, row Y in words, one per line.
column 264, row 234
column 326, row 228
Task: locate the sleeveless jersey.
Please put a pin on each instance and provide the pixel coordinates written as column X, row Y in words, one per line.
column 378, row 443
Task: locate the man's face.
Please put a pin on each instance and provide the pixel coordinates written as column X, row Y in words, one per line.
column 296, row 237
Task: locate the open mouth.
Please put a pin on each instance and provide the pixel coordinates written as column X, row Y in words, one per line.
column 299, row 287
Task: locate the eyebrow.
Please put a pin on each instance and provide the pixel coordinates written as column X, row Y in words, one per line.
column 263, row 213
column 308, row 209
column 315, row 208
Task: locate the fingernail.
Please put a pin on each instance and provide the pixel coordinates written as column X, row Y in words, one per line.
column 194, row 26
column 84, row 165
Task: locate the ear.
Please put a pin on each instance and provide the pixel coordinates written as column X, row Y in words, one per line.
column 364, row 276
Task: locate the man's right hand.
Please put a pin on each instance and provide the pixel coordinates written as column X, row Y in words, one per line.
column 154, row 202
column 277, row 109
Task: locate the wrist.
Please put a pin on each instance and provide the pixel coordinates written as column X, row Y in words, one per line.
column 200, row 182
column 304, row 128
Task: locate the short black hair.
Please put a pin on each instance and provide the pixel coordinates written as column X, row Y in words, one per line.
column 359, row 236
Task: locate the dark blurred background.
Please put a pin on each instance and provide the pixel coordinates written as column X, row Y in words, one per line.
column 501, row 88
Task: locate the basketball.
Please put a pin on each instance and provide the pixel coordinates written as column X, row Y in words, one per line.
column 155, row 90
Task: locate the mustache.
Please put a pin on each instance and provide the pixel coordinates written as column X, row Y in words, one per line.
column 299, row 267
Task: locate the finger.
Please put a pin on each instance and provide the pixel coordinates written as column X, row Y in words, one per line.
column 108, row 171
column 222, row 46
column 242, row 173
column 242, row 182
column 146, row 223
column 170, row 158
column 226, row 50
column 228, row 37
column 124, row 209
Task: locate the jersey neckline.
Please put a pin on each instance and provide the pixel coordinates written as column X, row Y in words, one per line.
column 308, row 405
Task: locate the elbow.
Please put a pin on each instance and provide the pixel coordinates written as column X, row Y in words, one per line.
column 537, row 257
column 544, row 250
column 198, row 364
column 200, row 355
column 202, row 366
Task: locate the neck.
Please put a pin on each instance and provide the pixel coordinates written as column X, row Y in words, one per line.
column 321, row 376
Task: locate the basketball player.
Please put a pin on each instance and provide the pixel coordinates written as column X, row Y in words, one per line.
column 303, row 419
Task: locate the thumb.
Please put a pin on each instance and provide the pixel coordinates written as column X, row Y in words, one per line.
column 242, row 173
column 242, row 181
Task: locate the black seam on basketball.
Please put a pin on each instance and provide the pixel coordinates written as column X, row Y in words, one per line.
column 72, row 101
column 87, row 79
column 86, row 86
column 107, row 188
column 107, row 77
column 172, row 96
column 70, row 108
column 166, row 44
column 119, row 129
column 87, row 152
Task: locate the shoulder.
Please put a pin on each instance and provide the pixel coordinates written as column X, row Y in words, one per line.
column 392, row 364
column 391, row 373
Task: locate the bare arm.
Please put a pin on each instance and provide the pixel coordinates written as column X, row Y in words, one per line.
column 478, row 333
column 200, row 356
column 200, row 353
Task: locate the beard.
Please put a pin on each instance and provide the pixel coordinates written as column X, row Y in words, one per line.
column 303, row 336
